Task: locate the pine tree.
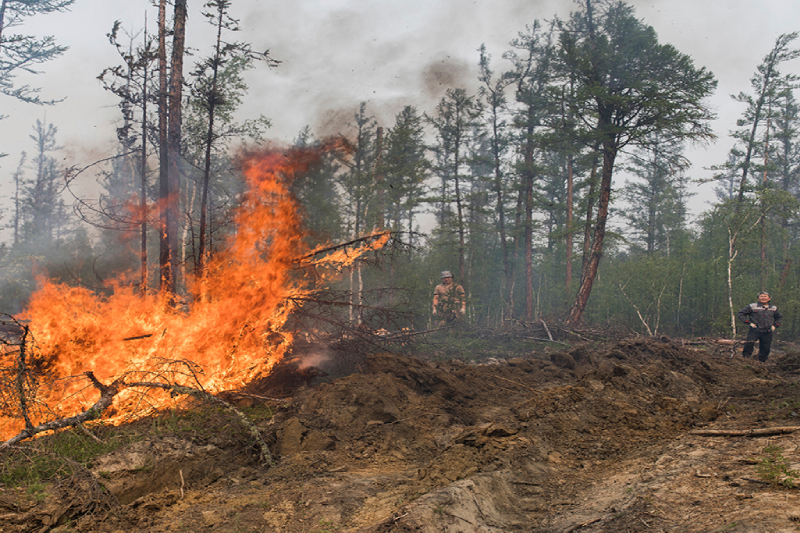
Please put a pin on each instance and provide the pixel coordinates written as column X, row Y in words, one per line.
column 630, row 86
column 405, row 168
column 768, row 83
column 21, row 53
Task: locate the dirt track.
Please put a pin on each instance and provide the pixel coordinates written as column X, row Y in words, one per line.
column 594, row 439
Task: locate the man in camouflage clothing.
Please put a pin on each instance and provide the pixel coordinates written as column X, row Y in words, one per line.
column 449, row 302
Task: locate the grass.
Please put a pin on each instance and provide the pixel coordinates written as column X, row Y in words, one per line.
column 59, row 455
column 463, row 343
column 327, row 527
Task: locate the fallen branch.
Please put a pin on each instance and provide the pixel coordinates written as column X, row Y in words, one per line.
column 582, row 524
column 546, row 340
column 759, row 432
column 265, row 457
column 137, row 337
column 549, row 335
column 518, row 384
column 641, row 318
column 107, row 394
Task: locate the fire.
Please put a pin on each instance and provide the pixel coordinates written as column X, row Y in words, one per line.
column 230, row 330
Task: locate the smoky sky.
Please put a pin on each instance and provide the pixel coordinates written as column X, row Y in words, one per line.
column 337, row 53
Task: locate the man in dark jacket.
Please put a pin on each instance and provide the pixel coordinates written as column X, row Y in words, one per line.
column 762, row 318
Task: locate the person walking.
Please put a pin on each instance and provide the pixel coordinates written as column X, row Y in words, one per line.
column 449, row 302
column 763, row 318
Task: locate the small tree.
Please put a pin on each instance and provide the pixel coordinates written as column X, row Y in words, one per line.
column 216, row 92
column 456, row 116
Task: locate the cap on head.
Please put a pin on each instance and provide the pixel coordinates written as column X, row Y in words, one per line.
column 446, row 274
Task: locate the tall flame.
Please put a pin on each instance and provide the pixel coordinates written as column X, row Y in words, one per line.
column 232, row 329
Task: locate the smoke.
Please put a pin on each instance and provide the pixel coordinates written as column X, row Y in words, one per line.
column 338, row 53
column 440, row 75
column 316, row 359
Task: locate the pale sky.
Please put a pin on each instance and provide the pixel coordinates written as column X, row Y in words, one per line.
column 390, row 53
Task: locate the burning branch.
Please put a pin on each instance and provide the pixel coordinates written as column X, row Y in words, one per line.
column 365, row 239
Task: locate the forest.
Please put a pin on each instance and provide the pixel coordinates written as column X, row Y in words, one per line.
column 558, row 191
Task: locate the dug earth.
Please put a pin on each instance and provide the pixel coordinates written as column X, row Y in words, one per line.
column 607, row 437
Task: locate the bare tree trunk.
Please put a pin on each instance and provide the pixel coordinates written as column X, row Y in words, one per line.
column 763, row 220
column 175, row 97
column 587, row 228
column 590, row 272
column 378, row 178
column 498, row 179
column 3, row 5
column 732, row 253
column 568, row 238
column 518, row 233
column 163, row 155
column 459, row 212
column 143, row 178
column 212, row 101
column 17, row 187
column 528, row 176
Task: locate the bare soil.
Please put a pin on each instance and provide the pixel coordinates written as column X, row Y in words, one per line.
column 596, row 438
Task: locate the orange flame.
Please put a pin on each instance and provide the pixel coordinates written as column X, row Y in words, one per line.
column 232, row 330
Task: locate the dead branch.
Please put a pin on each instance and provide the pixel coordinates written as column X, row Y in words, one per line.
column 107, row 394
column 265, row 457
column 22, row 372
column 518, row 384
column 636, row 308
column 546, row 340
column 581, row 525
column 574, row 333
column 759, row 432
column 549, row 335
column 402, row 335
column 137, row 337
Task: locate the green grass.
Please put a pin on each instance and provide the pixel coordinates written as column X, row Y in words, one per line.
column 59, row 455
column 463, row 343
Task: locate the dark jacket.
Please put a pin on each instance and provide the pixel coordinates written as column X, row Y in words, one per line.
column 764, row 317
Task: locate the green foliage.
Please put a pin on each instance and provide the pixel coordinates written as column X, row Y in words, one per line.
column 773, row 467
column 21, row 53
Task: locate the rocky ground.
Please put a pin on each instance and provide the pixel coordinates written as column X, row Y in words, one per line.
column 595, row 438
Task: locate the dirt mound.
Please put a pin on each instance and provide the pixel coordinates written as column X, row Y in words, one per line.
column 596, row 438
